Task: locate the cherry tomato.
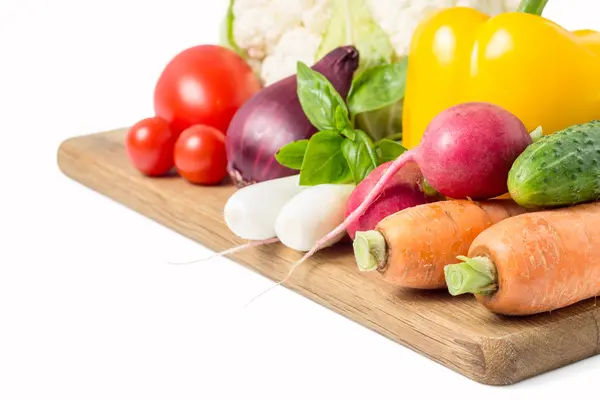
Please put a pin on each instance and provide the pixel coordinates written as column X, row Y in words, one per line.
column 200, row 156
column 149, row 145
column 204, row 85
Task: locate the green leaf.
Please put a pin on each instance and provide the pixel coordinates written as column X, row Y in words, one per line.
column 318, row 98
column 352, row 24
column 360, row 155
column 378, row 87
column 390, row 150
column 292, row 154
column 324, row 161
column 342, row 122
column 227, row 38
column 428, row 189
column 396, row 137
column 383, row 123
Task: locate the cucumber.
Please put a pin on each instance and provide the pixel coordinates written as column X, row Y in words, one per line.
column 559, row 170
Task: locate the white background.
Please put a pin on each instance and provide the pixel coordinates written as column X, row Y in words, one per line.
column 88, row 307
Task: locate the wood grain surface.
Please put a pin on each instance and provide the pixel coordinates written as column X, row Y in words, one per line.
column 456, row 332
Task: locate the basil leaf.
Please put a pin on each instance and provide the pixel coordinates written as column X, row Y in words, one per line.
column 324, row 161
column 318, row 98
column 292, row 154
column 390, row 150
column 342, row 122
column 360, row 155
column 378, row 87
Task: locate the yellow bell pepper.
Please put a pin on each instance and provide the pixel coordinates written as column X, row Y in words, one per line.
column 544, row 74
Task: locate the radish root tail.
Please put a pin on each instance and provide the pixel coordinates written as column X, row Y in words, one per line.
column 254, row 243
column 275, row 285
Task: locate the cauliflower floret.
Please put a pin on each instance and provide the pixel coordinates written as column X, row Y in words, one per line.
column 278, row 33
column 316, row 18
column 260, row 24
column 296, row 45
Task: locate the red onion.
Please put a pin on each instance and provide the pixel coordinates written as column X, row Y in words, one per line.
column 274, row 117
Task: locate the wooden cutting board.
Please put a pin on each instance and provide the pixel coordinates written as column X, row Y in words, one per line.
column 456, row 332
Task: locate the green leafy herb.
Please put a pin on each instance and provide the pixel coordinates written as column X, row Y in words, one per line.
column 292, row 154
column 378, row 87
column 360, row 155
column 318, row 98
column 342, row 122
column 390, row 150
column 324, row 161
column 341, row 152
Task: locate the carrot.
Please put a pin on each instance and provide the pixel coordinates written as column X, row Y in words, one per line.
column 533, row 263
column 411, row 247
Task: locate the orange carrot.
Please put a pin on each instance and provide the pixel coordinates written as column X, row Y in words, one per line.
column 533, row 263
column 411, row 247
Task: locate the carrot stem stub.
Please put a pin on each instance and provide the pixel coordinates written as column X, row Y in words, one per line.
column 475, row 275
column 370, row 250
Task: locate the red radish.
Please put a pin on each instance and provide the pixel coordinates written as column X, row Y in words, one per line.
column 470, row 149
column 403, row 191
column 466, row 151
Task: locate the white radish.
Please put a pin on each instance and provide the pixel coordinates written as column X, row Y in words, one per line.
column 311, row 214
column 251, row 212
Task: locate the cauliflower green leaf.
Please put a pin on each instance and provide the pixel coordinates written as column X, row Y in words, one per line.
column 353, row 24
column 227, row 38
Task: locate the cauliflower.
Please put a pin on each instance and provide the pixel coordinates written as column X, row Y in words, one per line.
column 274, row 34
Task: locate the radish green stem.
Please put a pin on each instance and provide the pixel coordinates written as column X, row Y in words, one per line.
column 535, row 7
column 475, row 275
column 370, row 250
column 428, row 189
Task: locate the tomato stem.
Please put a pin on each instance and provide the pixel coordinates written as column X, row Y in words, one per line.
column 474, row 275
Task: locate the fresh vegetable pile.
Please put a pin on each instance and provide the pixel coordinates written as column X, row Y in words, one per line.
column 487, row 181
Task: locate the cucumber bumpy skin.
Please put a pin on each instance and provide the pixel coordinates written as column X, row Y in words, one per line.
column 559, row 169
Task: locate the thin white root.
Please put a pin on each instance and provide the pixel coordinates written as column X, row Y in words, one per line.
column 275, row 285
column 254, row 243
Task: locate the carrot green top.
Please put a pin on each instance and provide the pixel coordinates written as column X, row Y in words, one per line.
column 370, row 250
column 475, row 275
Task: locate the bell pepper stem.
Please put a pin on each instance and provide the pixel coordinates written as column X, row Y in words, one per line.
column 475, row 275
column 535, row 7
column 370, row 250
column 536, row 134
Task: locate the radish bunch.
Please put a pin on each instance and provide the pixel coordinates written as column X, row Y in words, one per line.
column 280, row 208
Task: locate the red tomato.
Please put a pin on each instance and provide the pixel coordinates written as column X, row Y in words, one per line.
column 200, row 156
column 149, row 145
column 204, row 85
